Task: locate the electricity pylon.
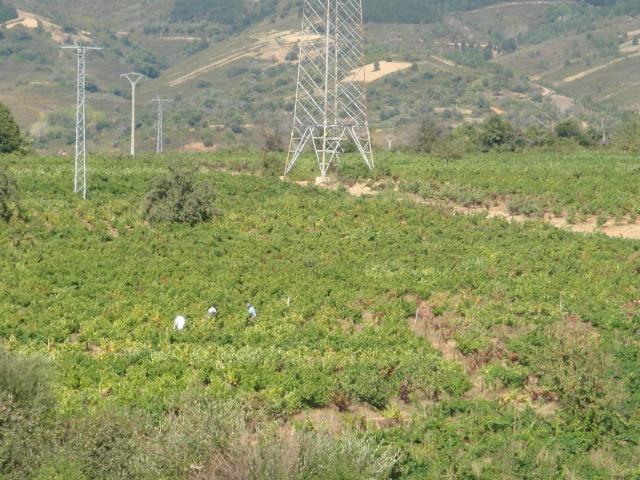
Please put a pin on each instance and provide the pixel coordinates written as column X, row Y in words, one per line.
column 80, row 175
column 330, row 93
column 133, row 78
column 159, row 143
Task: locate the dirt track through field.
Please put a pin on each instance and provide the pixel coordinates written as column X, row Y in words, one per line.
column 612, row 228
column 580, row 75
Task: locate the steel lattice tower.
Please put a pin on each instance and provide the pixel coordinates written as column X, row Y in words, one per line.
column 80, row 176
column 330, row 94
column 159, row 143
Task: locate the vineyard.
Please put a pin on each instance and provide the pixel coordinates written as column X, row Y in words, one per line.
column 394, row 338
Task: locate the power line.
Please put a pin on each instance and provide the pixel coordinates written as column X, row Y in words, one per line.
column 80, row 175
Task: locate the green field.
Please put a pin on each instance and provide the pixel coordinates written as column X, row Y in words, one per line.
column 430, row 344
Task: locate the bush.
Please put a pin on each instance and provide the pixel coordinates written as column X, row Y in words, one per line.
column 496, row 133
column 26, row 412
column 11, row 139
column 448, row 148
column 9, row 195
column 272, row 165
column 178, row 198
column 627, row 135
column 427, row 135
column 311, row 454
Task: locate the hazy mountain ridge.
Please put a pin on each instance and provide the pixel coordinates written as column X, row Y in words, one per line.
column 526, row 59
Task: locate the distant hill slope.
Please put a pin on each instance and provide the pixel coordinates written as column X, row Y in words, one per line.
column 233, row 79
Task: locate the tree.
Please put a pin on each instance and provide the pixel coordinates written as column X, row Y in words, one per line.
column 427, row 134
column 11, row 139
column 495, row 132
column 7, row 12
column 177, row 197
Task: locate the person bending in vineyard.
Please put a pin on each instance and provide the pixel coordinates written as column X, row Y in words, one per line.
column 179, row 322
column 252, row 311
column 212, row 312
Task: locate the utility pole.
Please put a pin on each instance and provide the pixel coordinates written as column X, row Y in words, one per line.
column 330, row 94
column 80, row 175
column 133, row 78
column 159, row 143
column 390, row 140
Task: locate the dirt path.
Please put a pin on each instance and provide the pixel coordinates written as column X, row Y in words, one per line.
column 580, row 75
column 446, row 62
column 517, row 4
column 590, row 225
column 30, row 20
column 611, row 228
column 276, row 44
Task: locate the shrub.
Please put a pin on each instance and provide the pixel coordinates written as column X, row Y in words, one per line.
column 448, row 148
column 627, row 135
column 9, row 195
column 427, row 135
column 568, row 128
column 177, row 197
column 11, row 139
column 26, row 406
column 272, row 165
column 523, row 205
column 496, row 132
column 273, row 139
column 311, row 454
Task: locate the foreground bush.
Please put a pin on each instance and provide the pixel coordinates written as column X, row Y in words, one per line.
column 178, row 197
column 9, row 196
column 26, row 414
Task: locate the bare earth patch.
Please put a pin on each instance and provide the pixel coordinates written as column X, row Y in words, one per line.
column 271, row 45
column 623, row 228
column 440, row 330
column 370, row 74
column 30, row 20
column 198, row 147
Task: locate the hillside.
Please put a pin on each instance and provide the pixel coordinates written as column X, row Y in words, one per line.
column 393, row 338
column 534, row 61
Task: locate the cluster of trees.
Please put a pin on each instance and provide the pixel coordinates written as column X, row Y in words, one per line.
column 619, row 7
column 418, row 11
column 7, row 12
column 500, row 134
column 226, row 12
column 148, row 62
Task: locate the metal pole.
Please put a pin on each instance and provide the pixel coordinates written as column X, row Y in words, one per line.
column 159, row 142
column 80, row 163
column 133, row 78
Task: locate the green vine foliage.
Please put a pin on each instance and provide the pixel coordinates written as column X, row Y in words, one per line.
column 506, row 347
